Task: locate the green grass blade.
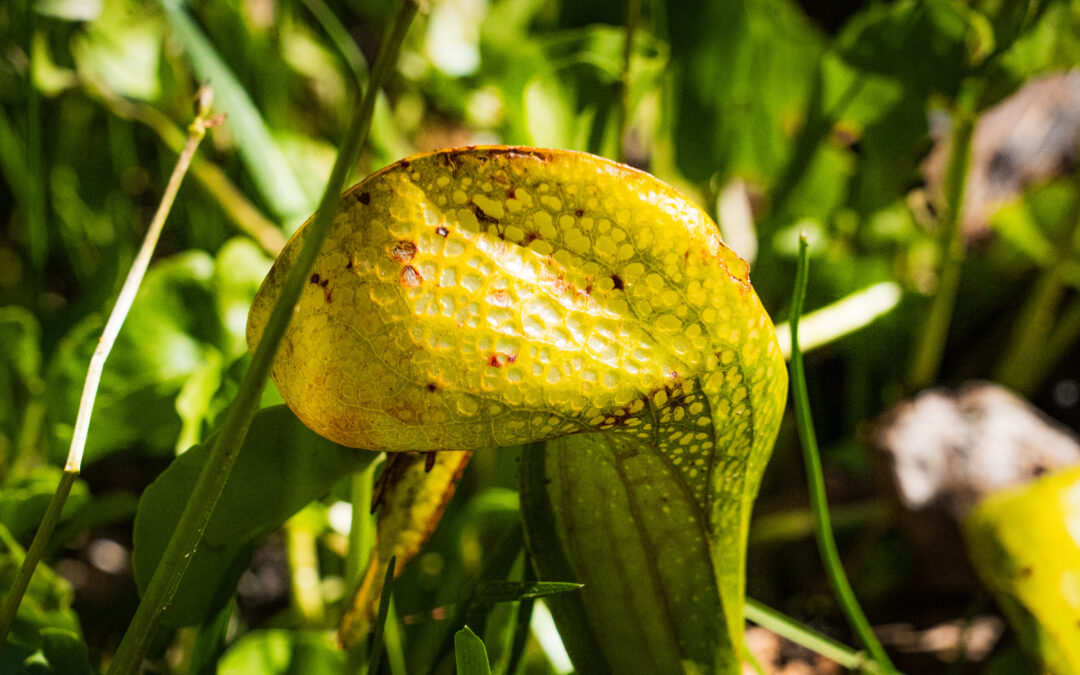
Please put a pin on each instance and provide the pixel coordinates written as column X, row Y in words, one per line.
column 500, row 590
column 259, row 151
column 830, row 557
column 380, row 620
column 786, row 627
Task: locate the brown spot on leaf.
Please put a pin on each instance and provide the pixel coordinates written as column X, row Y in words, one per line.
column 432, row 387
column 348, row 265
column 520, row 152
column 403, row 251
column 441, row 231
column 1026, row 571
column 483, row 217
column 579, row 212
column 617, row 280
column 410, row 278
column 499, row 360
column 363, row 198
column 429, row 461
column 511, row 193
column 500, row 298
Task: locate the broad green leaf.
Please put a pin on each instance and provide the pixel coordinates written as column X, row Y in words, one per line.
column 470, row 653
column 873, row 88
column 921, row 43
column 122, row 46
column 494, row 296
column 1024, row 545
column 1051, row 43
column 166, row 337
column 64, row 652
column 281, row 467
column 741, row 72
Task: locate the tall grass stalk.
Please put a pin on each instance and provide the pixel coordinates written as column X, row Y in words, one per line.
column 196, row 132
column 219, row 463
column 815, row 479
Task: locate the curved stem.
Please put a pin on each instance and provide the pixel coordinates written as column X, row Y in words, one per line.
column 119, row 313
column 931, row 346
column 789, row 628
column 33, row 554
column 219, row 463
column 830, row 557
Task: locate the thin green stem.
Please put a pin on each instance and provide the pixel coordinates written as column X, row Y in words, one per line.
column 219, row 463
column 633, row 14
column 119, row 313
column 245, row 215
column 339, row 35
column 789, row 628
column 815, row 479
column 33, row 554
column 1062, row 339
column 1026, row 361
column 931, row 347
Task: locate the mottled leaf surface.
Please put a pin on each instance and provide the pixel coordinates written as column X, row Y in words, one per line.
column 494, row 296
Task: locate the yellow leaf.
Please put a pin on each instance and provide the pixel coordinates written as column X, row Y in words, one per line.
column 494, row 296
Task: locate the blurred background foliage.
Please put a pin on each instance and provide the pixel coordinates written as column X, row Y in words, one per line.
column 775, row 116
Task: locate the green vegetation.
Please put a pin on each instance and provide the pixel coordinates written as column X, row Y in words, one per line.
column 855, row 129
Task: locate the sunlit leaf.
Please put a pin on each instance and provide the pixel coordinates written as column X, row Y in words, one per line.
column 122, row 46
column 1024, row 546
column 494, row 296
